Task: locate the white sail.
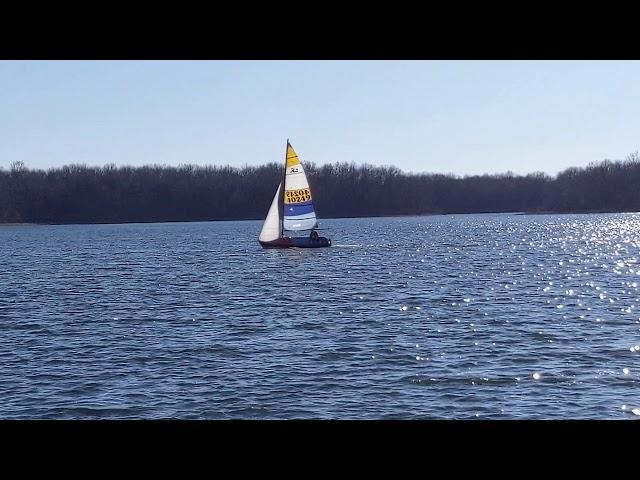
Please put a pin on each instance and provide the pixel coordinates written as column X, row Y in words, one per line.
column 271, row 228
column 298, row 204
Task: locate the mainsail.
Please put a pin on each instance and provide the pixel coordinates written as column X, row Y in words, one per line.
column 272, row 224
column 298, row 203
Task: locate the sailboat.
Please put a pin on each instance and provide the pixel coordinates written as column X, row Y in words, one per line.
column 292, row 210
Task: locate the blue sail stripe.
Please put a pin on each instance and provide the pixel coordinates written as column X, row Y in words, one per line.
column 299, row 203
column 295, row 209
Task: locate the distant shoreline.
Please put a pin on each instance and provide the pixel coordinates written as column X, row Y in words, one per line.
column 77, row 194
column 21, row 224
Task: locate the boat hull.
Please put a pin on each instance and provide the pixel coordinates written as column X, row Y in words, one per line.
column 283, row 242
column 306, row 242
column 299, row 242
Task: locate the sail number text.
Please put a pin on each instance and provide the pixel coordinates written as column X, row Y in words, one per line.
column 297, row 196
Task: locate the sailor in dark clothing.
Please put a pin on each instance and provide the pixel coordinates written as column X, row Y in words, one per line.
column 313, row 235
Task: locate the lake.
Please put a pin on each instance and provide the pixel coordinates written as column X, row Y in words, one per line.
column 458, row 316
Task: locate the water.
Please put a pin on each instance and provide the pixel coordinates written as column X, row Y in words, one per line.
column 467, row 316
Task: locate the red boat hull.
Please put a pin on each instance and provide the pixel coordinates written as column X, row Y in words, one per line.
column 284, row 242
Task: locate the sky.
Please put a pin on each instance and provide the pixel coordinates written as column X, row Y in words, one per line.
column 460, row 117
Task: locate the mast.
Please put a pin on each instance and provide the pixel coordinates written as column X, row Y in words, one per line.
column 284, row 179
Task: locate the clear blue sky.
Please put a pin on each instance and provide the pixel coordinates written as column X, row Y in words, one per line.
column 463, row 117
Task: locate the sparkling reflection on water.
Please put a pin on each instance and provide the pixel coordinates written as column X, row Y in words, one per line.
column 465, row 316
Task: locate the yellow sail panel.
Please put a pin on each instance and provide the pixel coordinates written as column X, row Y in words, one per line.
column 292, row 157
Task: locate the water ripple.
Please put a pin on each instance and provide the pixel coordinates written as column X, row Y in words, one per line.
column 464, row 316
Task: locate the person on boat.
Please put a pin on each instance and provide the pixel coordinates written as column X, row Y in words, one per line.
column 313, row 235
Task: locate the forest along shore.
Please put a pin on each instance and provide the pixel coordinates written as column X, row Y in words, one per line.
column 81, row 194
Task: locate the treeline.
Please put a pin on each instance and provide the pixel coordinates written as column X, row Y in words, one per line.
column 79, row 194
